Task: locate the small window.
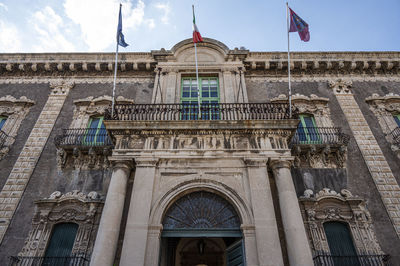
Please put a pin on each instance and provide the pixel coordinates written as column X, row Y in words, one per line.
column 96, row 131
column 307, row 130
column 3, row 120
column 341, row 244
column 60, row 246
column 397, row 119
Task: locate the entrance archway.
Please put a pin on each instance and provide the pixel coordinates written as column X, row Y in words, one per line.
column 201, row 228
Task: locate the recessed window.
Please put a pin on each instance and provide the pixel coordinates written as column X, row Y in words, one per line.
column 96, row 131
column 3, row 120
column 60, row 246
column 307, row 130
column 209, row 98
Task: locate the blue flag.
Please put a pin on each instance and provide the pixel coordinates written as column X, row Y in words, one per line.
column 120, row 35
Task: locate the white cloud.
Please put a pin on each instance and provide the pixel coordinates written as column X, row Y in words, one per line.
column 98, row 20
column 167, row 10
column 4, row 6
column 49, row 28
column 10, row 40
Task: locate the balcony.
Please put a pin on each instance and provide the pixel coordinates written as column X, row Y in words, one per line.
column 319, row 147
column 360, row 260
column 83, row 148
column 49, row 261
column 395, row 137
column 212, row 111
column 83, row 138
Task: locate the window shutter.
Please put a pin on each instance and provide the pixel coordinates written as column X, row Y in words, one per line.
column 62, row 240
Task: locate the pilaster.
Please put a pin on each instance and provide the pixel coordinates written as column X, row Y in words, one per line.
column 378, row 167
column 14, row 188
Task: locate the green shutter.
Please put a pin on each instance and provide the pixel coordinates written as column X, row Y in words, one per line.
column 307, row 130
column 397, row 119
column 96, row 131
column 341, row 244
column 235, row 254
column 61, row 243
column 2, row 121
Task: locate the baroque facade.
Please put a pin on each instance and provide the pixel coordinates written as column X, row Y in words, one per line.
column 239, row 178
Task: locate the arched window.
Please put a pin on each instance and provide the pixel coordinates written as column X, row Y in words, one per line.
column 60, row 246
column 340, row 244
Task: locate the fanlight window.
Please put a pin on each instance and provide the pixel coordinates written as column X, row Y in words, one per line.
column 201, row 210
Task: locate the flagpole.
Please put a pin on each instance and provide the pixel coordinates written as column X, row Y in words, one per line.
column 288, row 47
column 197, row 74
column 115, row 81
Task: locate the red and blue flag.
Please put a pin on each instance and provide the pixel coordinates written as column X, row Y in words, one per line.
column 299, row 25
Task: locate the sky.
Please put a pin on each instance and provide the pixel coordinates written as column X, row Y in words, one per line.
column 36, row 26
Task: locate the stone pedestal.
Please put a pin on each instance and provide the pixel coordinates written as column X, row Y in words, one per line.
column 137, row 225
column 296, row 239
column 268, row 244
column 108, row 233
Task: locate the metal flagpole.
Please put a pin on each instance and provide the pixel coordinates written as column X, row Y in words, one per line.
column 197, row 78
column 115, row 81
column 288, row 52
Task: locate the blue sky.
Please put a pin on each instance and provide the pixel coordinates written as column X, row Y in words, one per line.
column 90, row 25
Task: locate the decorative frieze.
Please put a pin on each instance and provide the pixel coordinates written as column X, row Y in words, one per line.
column 329, row 206
column 72, row 207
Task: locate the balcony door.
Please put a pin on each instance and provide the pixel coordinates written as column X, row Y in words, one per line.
column 96, row 131
column 60, row 246
column 308, row 131
column 209, row 98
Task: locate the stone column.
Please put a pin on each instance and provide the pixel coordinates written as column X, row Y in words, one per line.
column 108, row 232
column 267, row 237
column 153, row 245
column 298, row 248
column 137, row 225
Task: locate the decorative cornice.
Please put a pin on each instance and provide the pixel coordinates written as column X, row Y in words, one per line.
column 102, row 99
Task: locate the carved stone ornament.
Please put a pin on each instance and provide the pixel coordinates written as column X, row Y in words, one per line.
column 15, row 111
column 341, row 86
column 84, row 159
column 320, row 155
column 313, row 104
column 72, row 207
column 384, row 107
column 328, row 205
column 61, row 87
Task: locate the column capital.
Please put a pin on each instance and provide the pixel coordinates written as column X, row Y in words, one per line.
column 126, row 164
column 276, row 163
column 255, row 162
column 146, row 162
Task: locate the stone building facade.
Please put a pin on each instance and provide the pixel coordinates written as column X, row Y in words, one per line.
column 240, row 179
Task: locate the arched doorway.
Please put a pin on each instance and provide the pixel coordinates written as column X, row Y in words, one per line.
column 201, row 228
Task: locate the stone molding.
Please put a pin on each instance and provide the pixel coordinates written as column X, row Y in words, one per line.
column 384, row 107
column 72, row 207
column 277, row 163
column 15, row 110
column 329, row 206
column 341, row 86
column 255, row 162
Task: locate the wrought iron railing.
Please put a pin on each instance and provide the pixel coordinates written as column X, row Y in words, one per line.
column 320, row 135
column 359, row 260
column 395, row 135
column 49, row 261
column 212, row 111
column 3, row 138
column 86, row 137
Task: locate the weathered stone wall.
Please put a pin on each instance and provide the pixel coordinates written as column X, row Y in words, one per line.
column 359, row 180
column 46, row 177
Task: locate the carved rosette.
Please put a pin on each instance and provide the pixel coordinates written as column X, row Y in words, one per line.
column 327, row 205
column 15, row 110
column 72, row 207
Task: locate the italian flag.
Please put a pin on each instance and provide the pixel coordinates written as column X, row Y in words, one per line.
column 196, row 34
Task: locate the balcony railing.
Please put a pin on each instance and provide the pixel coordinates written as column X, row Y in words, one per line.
column 3, row 138
column 320, row 135
column 359, row 260
column 49, row 261
column 83, row 137
column 212, row 111
column 395, row 136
